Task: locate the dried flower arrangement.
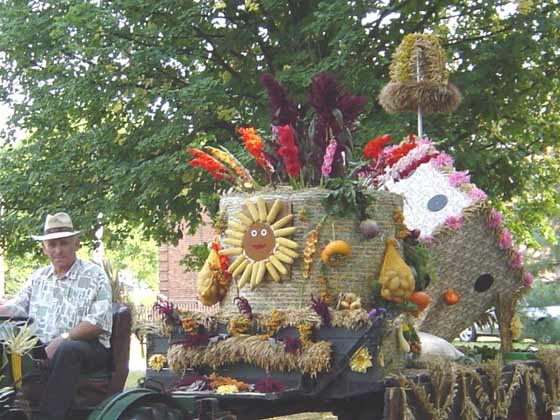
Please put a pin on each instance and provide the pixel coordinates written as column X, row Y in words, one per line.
column 302, row 150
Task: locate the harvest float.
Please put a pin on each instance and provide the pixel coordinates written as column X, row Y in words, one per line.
column 330, row 262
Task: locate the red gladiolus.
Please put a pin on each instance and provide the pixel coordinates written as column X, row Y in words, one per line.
column 253, row 144
column 208, row 163
column 373, row 148
column 288, row 150
column 400, row 152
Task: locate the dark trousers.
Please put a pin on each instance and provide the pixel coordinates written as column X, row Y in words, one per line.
column 71, row 359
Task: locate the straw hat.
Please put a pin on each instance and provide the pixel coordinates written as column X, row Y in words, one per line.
column 57, row 226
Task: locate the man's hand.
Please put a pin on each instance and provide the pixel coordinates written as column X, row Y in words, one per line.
column 53, row 346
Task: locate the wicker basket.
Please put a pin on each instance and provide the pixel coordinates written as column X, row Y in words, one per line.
column 354, row 275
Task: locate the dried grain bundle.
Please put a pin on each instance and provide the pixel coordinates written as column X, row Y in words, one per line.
column 286, row 318
column 266, row 354
column 224, row 316
column 511, row 389
column 443, row 374
column 350, row 319
column 469, row 410
column 424, row 407
column 209, row 322
column 176, row 361
column 550, row 361
column 316, row 359
column 432, row 98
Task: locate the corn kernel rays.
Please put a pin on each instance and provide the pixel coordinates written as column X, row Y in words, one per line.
column 259, row 243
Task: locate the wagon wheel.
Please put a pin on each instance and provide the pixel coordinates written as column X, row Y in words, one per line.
column 145, row 410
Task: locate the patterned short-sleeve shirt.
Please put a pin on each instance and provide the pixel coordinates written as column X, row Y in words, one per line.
column 59, row 304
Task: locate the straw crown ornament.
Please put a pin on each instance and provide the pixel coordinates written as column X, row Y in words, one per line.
column 419, row 78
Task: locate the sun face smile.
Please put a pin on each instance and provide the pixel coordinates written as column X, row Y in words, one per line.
column 260, row 243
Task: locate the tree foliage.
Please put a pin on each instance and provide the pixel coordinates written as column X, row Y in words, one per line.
column 113, row 92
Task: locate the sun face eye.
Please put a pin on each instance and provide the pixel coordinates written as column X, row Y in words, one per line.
column 254, row 233
column 264, row 232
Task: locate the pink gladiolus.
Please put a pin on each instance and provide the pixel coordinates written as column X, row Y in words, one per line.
column 528, row 279
column 459, row 178
column 494, row 219
column 328, row 159
column 476, row 194
column 516, row 260
column 442, row 160
column 453, row 222
column 506, row 240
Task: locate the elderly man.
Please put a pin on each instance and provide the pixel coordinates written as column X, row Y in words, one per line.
column 70, row 302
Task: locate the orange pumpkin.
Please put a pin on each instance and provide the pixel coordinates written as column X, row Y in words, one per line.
column 451, row 297
column 420, row 299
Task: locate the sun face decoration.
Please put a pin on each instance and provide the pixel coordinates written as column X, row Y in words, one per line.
column 259, row 242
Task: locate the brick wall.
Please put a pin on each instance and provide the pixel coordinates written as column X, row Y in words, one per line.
column 180, row 286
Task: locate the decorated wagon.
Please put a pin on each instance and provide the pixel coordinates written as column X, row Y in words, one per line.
column 329, row 286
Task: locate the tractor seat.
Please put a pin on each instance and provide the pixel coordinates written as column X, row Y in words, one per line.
column 95, row 387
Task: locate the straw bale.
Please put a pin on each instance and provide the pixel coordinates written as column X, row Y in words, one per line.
column 354, row 275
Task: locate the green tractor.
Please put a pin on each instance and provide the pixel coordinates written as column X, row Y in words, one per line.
column 99, row 395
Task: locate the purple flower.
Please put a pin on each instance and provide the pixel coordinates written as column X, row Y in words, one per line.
column 528, row 279
column 476, row 194
column 324, row 94
column 375, row 313
column 351, row 107
column 442, row 160
column 328, row 159
column 453, row 222
column 321, row 308
column 459, row 178
column 268, row 385
column 291, row 344
column 244, row 307
column 516, row 260
column 166, row 310
column 494, row 219
column 505, row 240
column 283, row 111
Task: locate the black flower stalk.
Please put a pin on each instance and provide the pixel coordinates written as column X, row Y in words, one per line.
column 336, row 111
column 166, row 310
column 244, row 307
column 322, row 309
column 282, row 110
